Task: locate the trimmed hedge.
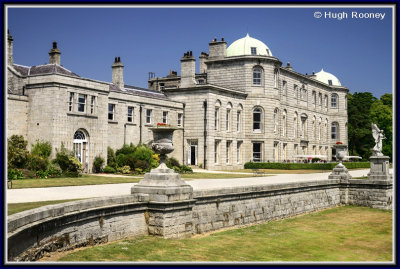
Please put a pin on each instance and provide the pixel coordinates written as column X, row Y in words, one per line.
column 300, row 166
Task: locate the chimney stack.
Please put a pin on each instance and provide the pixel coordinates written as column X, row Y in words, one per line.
column 118, row 73
column 54, row 54
column 217, row 48
column 10, row 58
column 202, row 65
column 188, row 70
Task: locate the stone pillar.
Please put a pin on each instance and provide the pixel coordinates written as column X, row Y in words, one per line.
column 188, row 70
column 202, row 66
column 380, row 168
column 217, row 48
column 170, row 198
column 55, row 55
column 118, row 73
column 10, row 58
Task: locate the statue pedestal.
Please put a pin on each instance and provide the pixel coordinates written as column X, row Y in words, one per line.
column 163, row 185
column 380, row 168
column 340, row 172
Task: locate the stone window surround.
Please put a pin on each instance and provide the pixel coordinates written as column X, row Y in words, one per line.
column 165, row 117
column 130, row 114
column 258, row 110
column 258, row 72
column 149, row 113
column 112, row 112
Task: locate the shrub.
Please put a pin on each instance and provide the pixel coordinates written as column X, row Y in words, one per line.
column 75, row 167
column 144, row 153
column 143, row 165
column 14, row 174
column 176, row 169
column 98, row 163
column 62, row 157
column 37, row 162
column 42, row 174
column 296, row 166
column 42, row 149
column 109, row 169
column 111, row 161
column 124, row 169
column 28, row 173
column 171, row 162
column 126, row 149
column 54, row 170
column 138, row 171
column 186, row 169
column 17, row 153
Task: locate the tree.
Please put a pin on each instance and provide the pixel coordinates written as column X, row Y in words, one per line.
column 359, row 124
column 382, row 115
column 17, row 153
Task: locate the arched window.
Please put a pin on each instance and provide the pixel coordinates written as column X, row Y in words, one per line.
column 257, row 119
column 296, row 91
column 276, row 78
column 335, row 131
column 228, row 119
column 319, row 128
column 239, row 118
column 81, row 148
column 276, row 120
column 304, row 125
column 284, row 123
column 320, row 99
column 314, row 129
column 334, row 100
column 257, row 75
column 216, row 115
column 326, row 100
column 326, row 130
column 314, row 98
column 295, row 125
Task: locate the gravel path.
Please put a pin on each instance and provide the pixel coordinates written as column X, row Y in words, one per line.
column 90, row 191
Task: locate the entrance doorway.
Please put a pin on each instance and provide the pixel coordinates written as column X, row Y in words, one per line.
column 192, row 154
column 81, row 149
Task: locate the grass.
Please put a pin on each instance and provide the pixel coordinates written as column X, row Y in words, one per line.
column 71, row 181
column 96, row 180
column 19, row 207
column 340, row 234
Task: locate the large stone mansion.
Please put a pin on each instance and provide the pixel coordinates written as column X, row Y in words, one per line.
column 241, row 106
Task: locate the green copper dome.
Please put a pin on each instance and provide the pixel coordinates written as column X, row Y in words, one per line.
column 248, row 46
column 327, row 78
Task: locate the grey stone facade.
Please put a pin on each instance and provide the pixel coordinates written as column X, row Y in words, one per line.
column 285, row 98
column 51, row 103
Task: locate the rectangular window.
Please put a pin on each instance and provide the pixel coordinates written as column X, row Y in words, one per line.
column 238, row 120
column 81, row 102
column 253, row 51
column 162, row 86
column 71, row 101
column 284, row 87
column 256, row 152
column 257, row 76
column 180, row 117
column 148, row 116
column 296, row 92
column 216, row 151
column 130, row 114
column 165, row 117
column 330, row 82
column 239, row 152
column 92, row 104
column 228, row 152
column 228, row 119
column 111, row 111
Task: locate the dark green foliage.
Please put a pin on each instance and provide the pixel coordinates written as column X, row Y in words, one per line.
column 144, row 153
column 314, row 160
column 171, row 162
column 42, row 174
column 98, row 163
column 109, row 169
column 54, row 170
column 17, row 153
column 70, row 165
column 143, row 165
column 381, row 113
column 298, row 166
column 42, row 149
column 186, row 169
column 37, row 163
column 126, row 149
column 111, row 159
column 14, row 174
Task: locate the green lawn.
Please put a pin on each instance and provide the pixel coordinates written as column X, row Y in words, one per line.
column 18, row 207
column 340, row 234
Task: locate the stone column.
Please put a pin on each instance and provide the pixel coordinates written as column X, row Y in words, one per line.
column 170, row 198
column 380, row 168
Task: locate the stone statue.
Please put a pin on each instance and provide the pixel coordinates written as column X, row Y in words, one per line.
column 378, row 136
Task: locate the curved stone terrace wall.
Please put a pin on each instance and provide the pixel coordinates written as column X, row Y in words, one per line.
column 69, row 225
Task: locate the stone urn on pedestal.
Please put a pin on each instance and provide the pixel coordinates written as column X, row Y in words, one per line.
column 163, row 184
column 340, row 171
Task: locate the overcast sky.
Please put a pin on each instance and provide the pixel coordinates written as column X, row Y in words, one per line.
column 356, row 49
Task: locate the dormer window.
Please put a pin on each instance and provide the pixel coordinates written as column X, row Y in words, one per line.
column 268, row 52
column 253, row 51
column 330, row 82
